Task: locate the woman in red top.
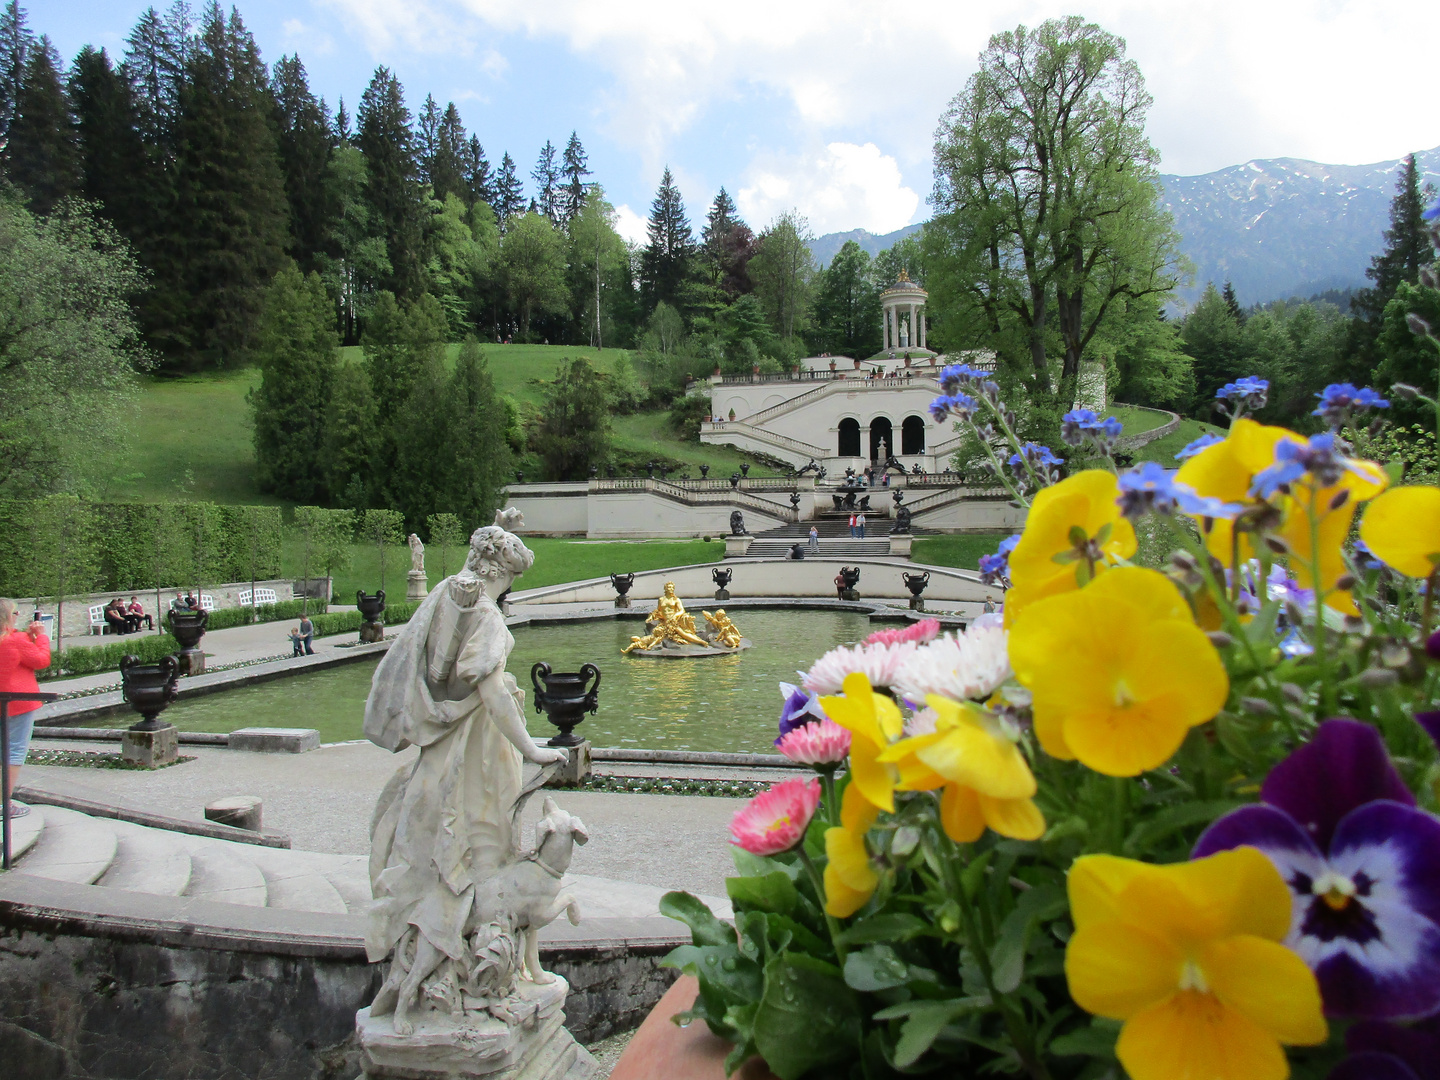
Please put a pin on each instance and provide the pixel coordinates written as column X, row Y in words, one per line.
column 21, row 655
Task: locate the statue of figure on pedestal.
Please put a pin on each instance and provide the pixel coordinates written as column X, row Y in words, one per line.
column 456, row 906
column 417, row 555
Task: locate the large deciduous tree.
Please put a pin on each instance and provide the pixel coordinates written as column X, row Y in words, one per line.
column 599, row 267
column 532, row 259
column 847, row 304
column 781, row 270
column 574, row 429
column 1047, row 216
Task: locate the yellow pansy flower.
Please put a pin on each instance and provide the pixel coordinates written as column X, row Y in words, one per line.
column 1189, row 957
column 1087, row 500
column 987, row 780
column 874, row 722
column 1226, row 470
column 1118, row 672
column 1402, row 529
column 850, row 880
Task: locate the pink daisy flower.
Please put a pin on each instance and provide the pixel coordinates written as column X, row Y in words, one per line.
column 879, row 663
column 775, row 820
column 823, row 743
column 919, row 632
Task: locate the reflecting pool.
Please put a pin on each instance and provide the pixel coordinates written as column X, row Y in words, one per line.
column 727, row 703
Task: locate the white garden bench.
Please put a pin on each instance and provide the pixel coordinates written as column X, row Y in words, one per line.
column 262, row 596
column 97, row 620
column 207, row 602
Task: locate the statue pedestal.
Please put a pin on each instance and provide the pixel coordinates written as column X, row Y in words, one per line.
column 575, row 770
column 150, row 748
column 735, row 546
column 416, row 587
column 900, row 544
column 476, row 1045
column 372, row 631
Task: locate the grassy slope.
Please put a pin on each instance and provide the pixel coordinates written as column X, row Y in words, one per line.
column 1137, row 420
column 962, row 550
column 1164, row 450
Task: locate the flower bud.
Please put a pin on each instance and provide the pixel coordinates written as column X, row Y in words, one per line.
column 1404, row 390
column 1378, row 678
column 1395, row 654
column 1294, row 692
column 1432, row 646
column 1257, row 706
column 1340, row 498
column 1277, row 545
column 1220, row 639
column 905, row 840
column 1345, row 582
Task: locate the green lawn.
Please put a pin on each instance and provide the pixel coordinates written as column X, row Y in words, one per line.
column 1137, row 420
column 556, row 561
column 650, row 433
column 962, row 549
column 1164, row 450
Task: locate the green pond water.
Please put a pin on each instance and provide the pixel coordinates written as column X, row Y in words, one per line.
column 727, row 703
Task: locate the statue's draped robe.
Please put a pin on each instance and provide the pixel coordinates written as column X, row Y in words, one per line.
column 444, row 823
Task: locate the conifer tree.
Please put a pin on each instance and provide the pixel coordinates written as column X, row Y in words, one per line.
column 393, row 188
column 427, row 139
column 348, row 443
column 447, row 173
column 342, row 129
column 296, row 353
column 574, row 167
column 479, row 181
column 1233, row 303
column 1407, row 249
column 305, row 143
column 509, row 196
column 728, row 245
column 229, row 226
column 546, row 175
column 665, row 262
column 113, row 162
column 159, row 52
column 40, row 154
column 16, row 41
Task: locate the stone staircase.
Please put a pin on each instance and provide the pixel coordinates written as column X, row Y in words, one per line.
column 835, row 539
column 66, row 845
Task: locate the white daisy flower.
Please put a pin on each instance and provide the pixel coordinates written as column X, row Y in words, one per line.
column 969, row 665
column 880, row 663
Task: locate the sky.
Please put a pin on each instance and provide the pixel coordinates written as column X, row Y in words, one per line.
column 829, row 107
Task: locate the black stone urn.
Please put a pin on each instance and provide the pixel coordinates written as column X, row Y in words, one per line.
column 371, row 607
column 622, row 583
column 722, row 579
column 519, row 476
column 745, row 469
column 188, row 627
column 565, row 699
column 704, row 472
column 845, row 583
column 794, row 500
column 898, row 496
column 916, row 584
column 149, row 688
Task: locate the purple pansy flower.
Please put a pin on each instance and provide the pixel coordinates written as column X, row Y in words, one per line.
column 1363, row 865
column 1381, row 1051
column 800, row 708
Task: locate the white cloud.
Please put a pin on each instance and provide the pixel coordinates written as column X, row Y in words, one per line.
column 842, row 186
column 630, row 225
column 494, row 64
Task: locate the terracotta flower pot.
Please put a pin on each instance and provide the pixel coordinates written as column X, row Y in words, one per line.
column 660, row 1050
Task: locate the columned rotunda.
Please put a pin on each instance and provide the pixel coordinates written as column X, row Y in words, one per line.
column 902, row 319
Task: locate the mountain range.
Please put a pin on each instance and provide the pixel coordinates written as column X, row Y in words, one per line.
column 1274, row 227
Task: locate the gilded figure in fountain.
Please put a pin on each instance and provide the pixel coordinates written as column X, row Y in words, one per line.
column 672, row 631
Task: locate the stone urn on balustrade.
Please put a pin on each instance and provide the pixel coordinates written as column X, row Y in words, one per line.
column 188, row 627
column 622, row 583
column 372, row 627
column 149, row 689
column 916, row 584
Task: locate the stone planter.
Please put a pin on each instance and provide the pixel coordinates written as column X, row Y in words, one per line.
column 188, row 627
column 659, row 1050
column 371, row 607
column 150, row 688
column 564, row 698
column 622, row 583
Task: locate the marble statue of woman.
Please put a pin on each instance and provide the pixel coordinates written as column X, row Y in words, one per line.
column 417, row 554
column 444, row 824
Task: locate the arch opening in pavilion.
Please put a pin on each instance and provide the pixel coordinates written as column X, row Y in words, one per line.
column 849, row 437
column 912, row 435
column 881, row 429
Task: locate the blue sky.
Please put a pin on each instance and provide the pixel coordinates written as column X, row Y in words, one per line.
column 829, row 106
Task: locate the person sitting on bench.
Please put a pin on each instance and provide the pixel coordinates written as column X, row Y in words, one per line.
column 115, row 617
column 135, row 614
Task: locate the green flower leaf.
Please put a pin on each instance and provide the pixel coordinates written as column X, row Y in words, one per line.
column 705, row 928
column 773, row 892
column 808, row 1017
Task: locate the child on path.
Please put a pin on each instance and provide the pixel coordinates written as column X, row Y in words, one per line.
column 296, row 641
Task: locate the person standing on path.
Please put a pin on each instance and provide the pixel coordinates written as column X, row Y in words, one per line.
column 852, row 526
column 860, row 526
column 307, row 633
column 22, row 653
column 814, row 540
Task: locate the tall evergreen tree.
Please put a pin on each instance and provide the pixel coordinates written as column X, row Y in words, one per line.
column 728, row 245
column 296, row 350
column 847, row 304
column 1407, row 249
column 447, row 172
column 393, row 187
column 113, row 163
column 546, row 175
column 16, row 41
column 230, row 221
column 159, row 52
column 509, row 195
column 574, row 167
column 427, row 139
column 1233, row 303
column 479, row 181
column 305, row 143
column 342, row 129
column 666, row 259
column 40, row 155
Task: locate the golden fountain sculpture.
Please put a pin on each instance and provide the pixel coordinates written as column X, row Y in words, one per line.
column 671, row 625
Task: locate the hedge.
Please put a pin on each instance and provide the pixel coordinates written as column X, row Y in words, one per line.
column 225, row 618
column 87, row 660
column 342, row 622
